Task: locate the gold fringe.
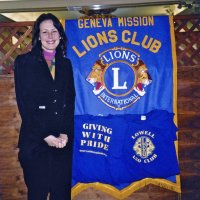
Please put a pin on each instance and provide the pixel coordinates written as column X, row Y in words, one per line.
column 167, row 184
column 174, row 59
column 62, row 21
column 109, row 189
column 175, row 96
column 124, row 193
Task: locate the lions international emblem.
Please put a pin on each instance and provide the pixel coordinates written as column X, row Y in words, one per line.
column 119, row 77
column 143, row 147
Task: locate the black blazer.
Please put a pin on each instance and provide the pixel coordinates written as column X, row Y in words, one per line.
column 46, row 105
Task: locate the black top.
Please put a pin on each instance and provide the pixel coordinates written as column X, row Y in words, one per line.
column 46, row 105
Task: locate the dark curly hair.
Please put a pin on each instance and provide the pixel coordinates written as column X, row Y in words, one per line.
column 36, row 32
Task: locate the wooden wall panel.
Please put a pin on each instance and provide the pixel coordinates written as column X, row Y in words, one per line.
column 15, row 38
column 11, row 178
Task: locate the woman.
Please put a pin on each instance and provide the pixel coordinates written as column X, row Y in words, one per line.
column 45, row 96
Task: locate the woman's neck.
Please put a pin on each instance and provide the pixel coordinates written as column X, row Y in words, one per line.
column 49, row 55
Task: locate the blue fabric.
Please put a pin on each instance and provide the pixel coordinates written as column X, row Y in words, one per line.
column 149, row 149
column 122, row 47
column 106, row 56
column 95, row 142
column 115, row 164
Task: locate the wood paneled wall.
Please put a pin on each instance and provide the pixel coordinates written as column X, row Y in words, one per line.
column 11, row 178
column 188, row 54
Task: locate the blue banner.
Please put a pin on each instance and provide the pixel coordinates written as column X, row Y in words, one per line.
column 121, row 65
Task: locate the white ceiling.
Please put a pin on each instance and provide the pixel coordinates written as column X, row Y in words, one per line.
column 29, row 10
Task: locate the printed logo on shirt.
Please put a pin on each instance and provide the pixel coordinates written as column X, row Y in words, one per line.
column 144, row 148
column 119, row 77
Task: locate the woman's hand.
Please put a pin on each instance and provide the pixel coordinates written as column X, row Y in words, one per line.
column 53, row 141
column 58, row 142
column 64, row 138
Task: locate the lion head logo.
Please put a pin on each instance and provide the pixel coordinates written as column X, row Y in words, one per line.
column 95, row 77
column 143, row 78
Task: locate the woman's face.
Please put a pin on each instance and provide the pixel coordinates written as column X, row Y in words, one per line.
column 49, row 36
